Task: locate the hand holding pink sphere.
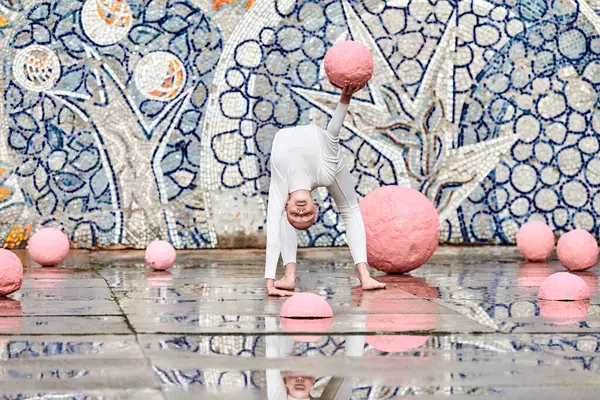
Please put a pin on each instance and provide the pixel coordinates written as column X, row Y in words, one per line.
column 160, row 255
column 11, row 272
column 577, row 250
column 535, row 241
column 348, row 63
column 48, row 247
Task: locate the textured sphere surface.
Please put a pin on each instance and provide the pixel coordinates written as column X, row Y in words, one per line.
column 306, row 305
column 11, row 272
column 48, row 247
column 564, row 286
column 535, row 241
column 160, row 255
column 402, row 226
column 348, row 63
column 577, row 250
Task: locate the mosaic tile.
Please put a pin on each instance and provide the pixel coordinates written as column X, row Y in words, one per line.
column 129, row 120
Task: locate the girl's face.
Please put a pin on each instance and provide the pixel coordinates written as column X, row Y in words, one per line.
column 301, row 210
column 298, row 386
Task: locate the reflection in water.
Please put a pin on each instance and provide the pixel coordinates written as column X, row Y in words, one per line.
column 10, row 315
column 306, row 325
column 47, row 277
column 531, row 275
column 564, row 312
column 298, row 385
column 391, row 310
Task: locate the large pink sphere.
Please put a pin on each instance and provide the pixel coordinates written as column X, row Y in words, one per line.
column 348, row 63
column 564, row 286
column 403, row 228
column 48, row 247
column 160, row 255
column 535, row 241
column 577, row 250
column 11, row 272
column 306, row 305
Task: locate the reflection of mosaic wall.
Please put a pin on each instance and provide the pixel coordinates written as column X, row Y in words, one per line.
column 126, row 120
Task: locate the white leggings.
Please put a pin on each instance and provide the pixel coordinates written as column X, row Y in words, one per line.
column 346, row 200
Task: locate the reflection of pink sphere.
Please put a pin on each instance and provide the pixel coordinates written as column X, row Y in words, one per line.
column 402, row 226
column 391, row 310
column 348, row 63
column 160, row 255
column 11, row 272
column 306, row 305
column 159, row 279
column 47, row 277
column 564, row 286
column 306, row 325
column 11, row 311
column 532, row 275
column 48, row 247
column 577, row 250
column 535, row 241
column 564, row 312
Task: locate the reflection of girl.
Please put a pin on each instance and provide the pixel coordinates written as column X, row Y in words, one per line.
column 296, row 386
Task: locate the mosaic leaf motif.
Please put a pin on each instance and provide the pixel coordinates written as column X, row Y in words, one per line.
column 79, row 163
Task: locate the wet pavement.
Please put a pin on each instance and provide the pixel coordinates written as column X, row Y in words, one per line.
column 466, row 325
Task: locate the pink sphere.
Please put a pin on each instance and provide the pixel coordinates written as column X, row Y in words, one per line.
column 348, row 63
column 564, row 286
column 160, row 255
column 306, row 305
column 48, row 247
column 11, row 272
column 402, row 226
column 577, row 250
column 535, row 241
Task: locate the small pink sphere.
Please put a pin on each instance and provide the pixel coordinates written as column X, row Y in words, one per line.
column 348, row 63
column 11, row 272
column 160, row 255
column 564, row 286
column 306, row 305
column 402, row 226
column 48, row 247
column 535, row 241
column 577, row 250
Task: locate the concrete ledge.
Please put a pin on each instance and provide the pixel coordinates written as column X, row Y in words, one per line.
column 78, row 257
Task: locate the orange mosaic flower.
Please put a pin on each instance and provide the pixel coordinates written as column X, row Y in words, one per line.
column 17, row 235
column 220, row 3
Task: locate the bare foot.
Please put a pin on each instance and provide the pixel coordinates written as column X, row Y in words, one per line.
column 368, row 283
column 366, row 280
column 278, row 292
column 288, row 282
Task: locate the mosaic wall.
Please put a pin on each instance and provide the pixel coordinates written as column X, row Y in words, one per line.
column 128, row 120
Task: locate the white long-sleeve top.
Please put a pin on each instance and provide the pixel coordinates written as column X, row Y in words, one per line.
column 302, row 158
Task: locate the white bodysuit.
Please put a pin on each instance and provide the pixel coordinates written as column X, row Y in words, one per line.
column 307, row 157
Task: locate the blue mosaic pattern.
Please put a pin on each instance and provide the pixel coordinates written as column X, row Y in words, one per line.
column 489, row 108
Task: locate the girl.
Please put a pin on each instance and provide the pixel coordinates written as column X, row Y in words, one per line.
column 304, row 158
